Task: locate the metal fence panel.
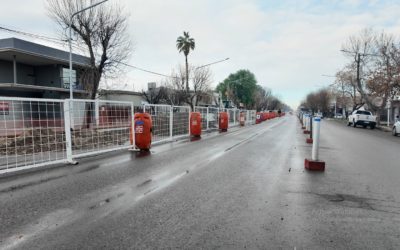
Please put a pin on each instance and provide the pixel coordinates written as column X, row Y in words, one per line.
column 212, row 118
column 98, row 126
column 160, row 116
column 204, row 114
column 31, row 132
column 180, row 121
column 253, row 117
column 231, row 115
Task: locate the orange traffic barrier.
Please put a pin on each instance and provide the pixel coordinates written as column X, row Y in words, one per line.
column 143, row 130
column 259, row 117
column 242, row 119
column 223, row 121
column 195, row 124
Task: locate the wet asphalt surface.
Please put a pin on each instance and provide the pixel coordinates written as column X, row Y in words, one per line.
column 242, row 189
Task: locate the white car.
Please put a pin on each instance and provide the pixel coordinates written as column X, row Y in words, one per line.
column 339, row 116
column 396, row 128
column 363, row 118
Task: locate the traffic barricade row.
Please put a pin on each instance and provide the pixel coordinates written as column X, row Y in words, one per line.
column 143, row 127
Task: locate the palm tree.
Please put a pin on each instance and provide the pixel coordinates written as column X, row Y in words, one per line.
column 184, row 44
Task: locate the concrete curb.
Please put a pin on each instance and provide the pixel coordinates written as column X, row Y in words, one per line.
column 384, row 129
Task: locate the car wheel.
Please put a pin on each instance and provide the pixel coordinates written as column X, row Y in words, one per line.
column 372, row 126
column 348, row 123
column 394, row 132
column 354, row 124
column 364, row 126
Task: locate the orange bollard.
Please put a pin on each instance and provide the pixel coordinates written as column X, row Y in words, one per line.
column 259, row 118
column 143, row 130
column 223, row 121
column 195, row 124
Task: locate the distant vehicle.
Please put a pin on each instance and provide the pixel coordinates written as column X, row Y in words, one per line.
column 363, row 118
column 339, row 116
column 396, row 128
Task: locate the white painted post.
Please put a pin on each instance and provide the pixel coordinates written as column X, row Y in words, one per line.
column 171, row 122
column 305, row 121
column 189, row 132
column 207, row 118
column 316, row 131
column 67, row 127
column 388, row 113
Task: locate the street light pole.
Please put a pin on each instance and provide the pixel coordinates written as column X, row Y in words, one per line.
column 70, row 44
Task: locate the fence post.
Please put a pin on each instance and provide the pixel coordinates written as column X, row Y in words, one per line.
column 171, row 121
column 190, row 111
column 207, row 118
column 67, row 128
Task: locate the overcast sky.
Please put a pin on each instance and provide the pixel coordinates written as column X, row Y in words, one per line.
column 288, row 45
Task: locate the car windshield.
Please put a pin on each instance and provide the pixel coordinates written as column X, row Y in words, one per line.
column 361, row 112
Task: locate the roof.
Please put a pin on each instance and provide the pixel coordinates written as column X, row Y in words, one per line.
column 118, row 92
column 37, row 54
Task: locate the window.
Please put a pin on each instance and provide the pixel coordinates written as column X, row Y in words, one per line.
column 65, row 78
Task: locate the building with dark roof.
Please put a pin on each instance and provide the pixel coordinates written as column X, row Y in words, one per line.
column 32, row 70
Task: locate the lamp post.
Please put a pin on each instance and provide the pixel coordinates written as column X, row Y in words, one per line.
column 70, row 43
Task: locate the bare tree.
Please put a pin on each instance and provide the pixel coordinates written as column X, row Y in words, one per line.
column 360, row 48
column 200, row 80
column 318, row 101
column 376, row 66
column 346, row 87
column 262, row 98
column 102, row 30
column 156, row 95
column 384, row 78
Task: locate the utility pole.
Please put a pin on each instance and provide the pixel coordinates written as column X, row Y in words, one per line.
column 358, row 68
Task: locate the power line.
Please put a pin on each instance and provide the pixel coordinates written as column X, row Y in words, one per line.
column 212, row 63
column 41, row 37
column 147, row 71
column 63, row 42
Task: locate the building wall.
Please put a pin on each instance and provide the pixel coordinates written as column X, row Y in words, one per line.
column 6, row 72
column 48, row 75
column 136, row 99
column 26, row 74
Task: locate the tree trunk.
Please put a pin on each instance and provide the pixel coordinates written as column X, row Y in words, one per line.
column 187, row 74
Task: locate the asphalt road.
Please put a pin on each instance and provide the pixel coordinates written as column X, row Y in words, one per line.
column 243, row 189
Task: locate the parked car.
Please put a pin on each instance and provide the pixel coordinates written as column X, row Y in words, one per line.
column 396, row 128
column 339, row 116
column 363, row 118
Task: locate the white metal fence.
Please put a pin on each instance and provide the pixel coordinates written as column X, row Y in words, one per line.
column 36, row 132
column 99, row 126
column 31, row 132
